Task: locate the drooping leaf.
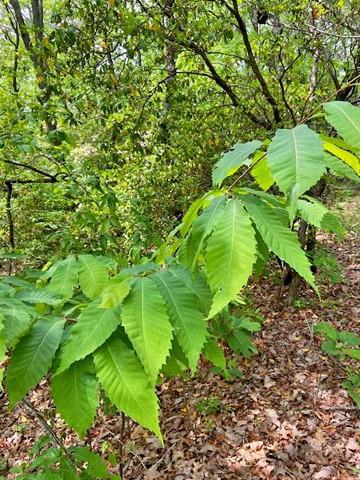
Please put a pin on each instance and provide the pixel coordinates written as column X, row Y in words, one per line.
column 64, row 278
column 331, row 223
column 95, row 464
column 279, row 239
column 146, row 322
column 94, row 326
column 231, row 161
column 340, row 167
column 347, row 157
column 240, row 342
column 75, row 393
column 92, row 276
column 201, row 229
column 188, row 321
column 214, row 353
column 32, row 357
column 261, row 171
column 126, row 383
column 312, row 212
column 230, row 255
column 346, row 120
column 196, row 282
column 295, row 159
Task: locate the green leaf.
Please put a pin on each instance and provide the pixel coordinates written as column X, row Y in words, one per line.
column 32, row 357
column 94, row 326
column 115, row 292
column 96, row 466
column 248, row 325
column 146, row 322
column 261, row 171
column 17, row 320
column 327, row 330
column 331, row 223
column 37, row 296
column 201, row 229
column 92, row 276
column 214, row 353
column 64, row 278
column 350, row 159
column 312, row 212
column 126, row 383
column 187, row 319
column 230, row 256
column 76, row 395
column 232, row 160
column 240, row 342
column 340, row 167
column 196, row 282
column 346, row 119
column 295, row 159
column 279, row 239
column 352, row 353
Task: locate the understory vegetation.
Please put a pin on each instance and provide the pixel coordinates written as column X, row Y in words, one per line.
column 159, row 162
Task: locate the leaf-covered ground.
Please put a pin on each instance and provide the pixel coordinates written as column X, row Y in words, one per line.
column 288, row 418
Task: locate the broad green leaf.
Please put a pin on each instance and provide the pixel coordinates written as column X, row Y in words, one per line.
column 75, row 393
column 312, row 212
column 279, row 239
column 92, row 276
column 347, row 157
column 94, row 326
column 190, row 215
column 126, row 383
column 32, row 357
column 352, row 353
column 146, row 322
column 214, row 353
column 261, row 171
column 187, row 319
column 346, row 120
column 39, row 295
column 295, row 159
column 96, row 466
column 240, row 342
column 340, row 167
column 64, row 278
column 331, row 223
column 17, row 320
column 201, row 229
column 230, row 256
column 231, row 161
column 196, row 282
column 115, row 292
column 327, row 330
column 275, row 201
column 262, row 255
column 339, row 142
column 315, row 213
column 248, row 324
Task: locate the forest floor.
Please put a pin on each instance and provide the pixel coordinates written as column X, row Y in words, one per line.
column 287, row 418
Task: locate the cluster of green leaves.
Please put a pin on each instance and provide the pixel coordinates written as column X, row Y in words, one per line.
column 55, row 463
column 94, row 324
column 342, row 344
